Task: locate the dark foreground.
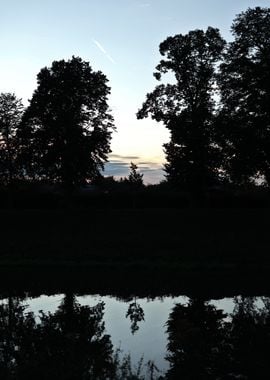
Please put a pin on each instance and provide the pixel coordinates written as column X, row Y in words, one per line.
column 220, row 251
column 130, row 254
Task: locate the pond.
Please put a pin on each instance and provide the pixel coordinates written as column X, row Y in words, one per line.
column 70, row 336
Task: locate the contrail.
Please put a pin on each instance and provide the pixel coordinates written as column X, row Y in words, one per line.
column 101, row 48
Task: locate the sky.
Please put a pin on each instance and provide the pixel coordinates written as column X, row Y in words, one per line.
column 119, row 37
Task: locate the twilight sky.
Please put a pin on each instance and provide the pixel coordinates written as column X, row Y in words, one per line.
column 118, row 37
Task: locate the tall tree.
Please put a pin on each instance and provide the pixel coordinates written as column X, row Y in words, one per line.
column 11, row 109
column 66, row 130
column 245, row 94
column 186, row 107
column 135, row 178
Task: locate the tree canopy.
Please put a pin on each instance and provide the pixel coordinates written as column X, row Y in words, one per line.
column 186, row 107
column 11, row 110
column 66, row 130
column 135, row 178
column 245, row 96
column 215, row 106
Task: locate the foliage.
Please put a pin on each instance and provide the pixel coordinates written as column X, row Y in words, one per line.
column 124, row 370
column 216, row 110
column 11, row 110
column 195, row 336
column 249, row 335
column 136, row 314
column 135, row 178
column 66, row 130
column 71, row 343
column 68, row 344
column 245, row 96
column 233, row 348
column 187, row 106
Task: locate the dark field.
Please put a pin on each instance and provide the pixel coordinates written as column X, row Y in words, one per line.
column 159, row 248
column 135, row 234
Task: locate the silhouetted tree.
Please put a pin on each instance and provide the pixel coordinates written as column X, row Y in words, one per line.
column 135, row 178
column 66, row 130
column 245, row 96
column 11, row 109
column 187, row 106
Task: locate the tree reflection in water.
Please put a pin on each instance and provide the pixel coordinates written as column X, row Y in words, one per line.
column 136, row 314
column 71, row 343
column 68, row 344
column 249, row 333
column 204, row 345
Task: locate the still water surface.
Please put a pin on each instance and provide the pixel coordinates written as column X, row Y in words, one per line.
column 150, row 339
column 170, row 332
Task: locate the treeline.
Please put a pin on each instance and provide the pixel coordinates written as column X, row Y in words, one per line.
column 217, row 111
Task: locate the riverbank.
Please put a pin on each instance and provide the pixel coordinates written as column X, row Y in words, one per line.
column 125, row 281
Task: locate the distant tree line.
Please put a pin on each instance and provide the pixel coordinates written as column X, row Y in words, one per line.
column 217, row 111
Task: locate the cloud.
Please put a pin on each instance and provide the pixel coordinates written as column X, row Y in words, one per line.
column 118, row 163
column 150, row 163
column 101, row 48
column 120, row 157
column 118, row 169
column 152, row 173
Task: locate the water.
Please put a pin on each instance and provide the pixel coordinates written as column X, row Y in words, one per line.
column 205, row 331
column 148, row 341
